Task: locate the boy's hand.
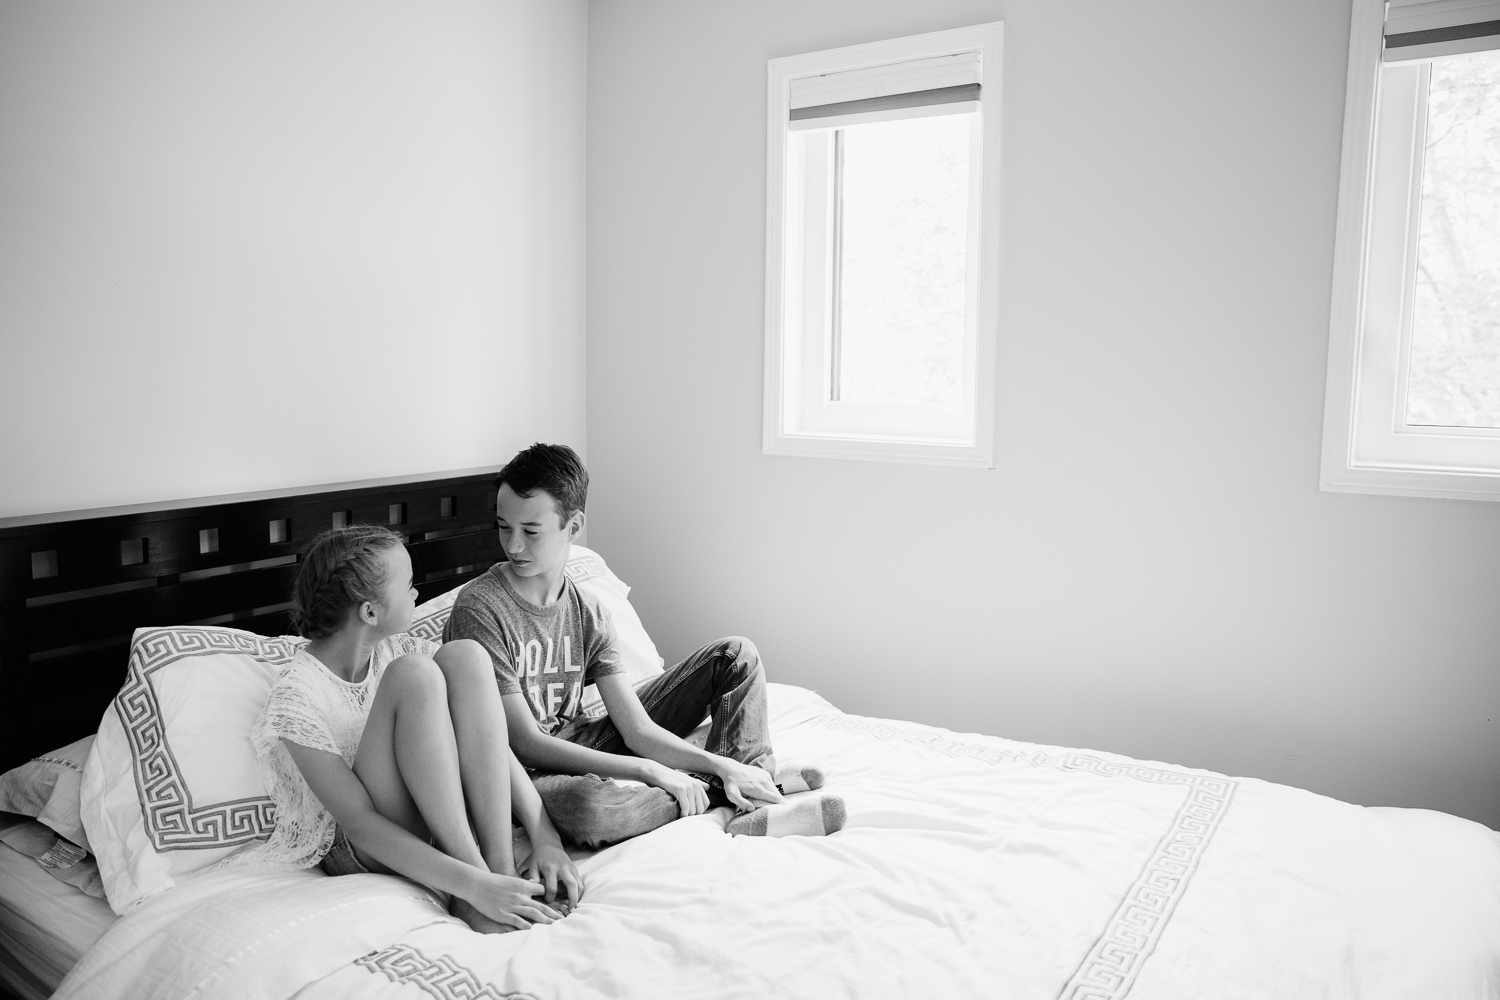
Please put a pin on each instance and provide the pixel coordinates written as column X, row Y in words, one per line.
column 690, row 793
column 746, row 785
column 550, row 865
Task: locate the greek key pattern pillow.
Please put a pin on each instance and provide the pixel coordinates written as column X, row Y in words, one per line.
column 172, row 784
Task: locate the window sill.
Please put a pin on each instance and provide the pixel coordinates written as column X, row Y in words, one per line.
column 1389, row 481
column 879, row 450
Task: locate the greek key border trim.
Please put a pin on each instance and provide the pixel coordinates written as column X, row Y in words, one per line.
column 441, row 978
column 172, row 820
column 581, row 568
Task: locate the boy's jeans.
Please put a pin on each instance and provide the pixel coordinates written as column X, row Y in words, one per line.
column 724, row 680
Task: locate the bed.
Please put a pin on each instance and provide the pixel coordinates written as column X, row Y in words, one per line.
column 970, row 866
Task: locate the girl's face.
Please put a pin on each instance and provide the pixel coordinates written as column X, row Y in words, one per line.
column 398, row 600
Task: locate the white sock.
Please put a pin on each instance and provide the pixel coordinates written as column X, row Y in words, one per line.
column 792, row 778
column 813, row 816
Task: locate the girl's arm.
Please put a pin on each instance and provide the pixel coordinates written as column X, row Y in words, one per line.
column 502, row 898
column 549, row 862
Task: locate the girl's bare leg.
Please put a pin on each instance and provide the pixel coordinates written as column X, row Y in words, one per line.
column 408, row 758
column 483, row 744
column 434, row 737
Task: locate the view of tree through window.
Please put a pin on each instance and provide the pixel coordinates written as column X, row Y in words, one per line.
column 905, row 197
column 1455, row 346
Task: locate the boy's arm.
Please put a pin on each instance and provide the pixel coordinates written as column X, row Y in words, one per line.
column 535, row 748
column 549, row 863
column 744, row 784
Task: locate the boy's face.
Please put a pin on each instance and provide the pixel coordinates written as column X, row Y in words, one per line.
column 535, row 537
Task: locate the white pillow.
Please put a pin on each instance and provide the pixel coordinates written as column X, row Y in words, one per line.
column 171, row 785
column 430, row 617
column 589, row 573
column 47, row 788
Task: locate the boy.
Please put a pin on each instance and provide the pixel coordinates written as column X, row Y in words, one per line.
column 547, row 639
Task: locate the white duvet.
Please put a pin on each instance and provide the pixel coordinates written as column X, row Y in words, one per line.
column 971, row 866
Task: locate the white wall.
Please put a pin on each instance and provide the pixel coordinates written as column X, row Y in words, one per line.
column 254, row 245
column 1152, row 568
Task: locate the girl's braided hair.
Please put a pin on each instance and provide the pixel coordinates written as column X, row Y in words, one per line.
column 340, row 570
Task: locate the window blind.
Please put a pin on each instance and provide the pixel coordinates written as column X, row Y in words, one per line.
column 937, row 85
column 1422, row 29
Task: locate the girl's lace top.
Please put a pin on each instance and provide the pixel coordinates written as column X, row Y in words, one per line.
column 312, row 707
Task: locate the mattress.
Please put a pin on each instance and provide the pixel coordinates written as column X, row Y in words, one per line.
column 971, row 866
column 45, row 925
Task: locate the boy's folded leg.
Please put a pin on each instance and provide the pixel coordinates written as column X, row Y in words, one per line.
column 792, row 778
column 592, row 812
column 814, row 816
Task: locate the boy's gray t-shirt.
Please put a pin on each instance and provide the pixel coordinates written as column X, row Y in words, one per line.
column 546, row 653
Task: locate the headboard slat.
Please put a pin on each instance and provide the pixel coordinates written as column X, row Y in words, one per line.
column 459, row 550
column 93, row 618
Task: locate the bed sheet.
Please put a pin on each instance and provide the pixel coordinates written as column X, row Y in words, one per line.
column 45, row 925
column 971, row 866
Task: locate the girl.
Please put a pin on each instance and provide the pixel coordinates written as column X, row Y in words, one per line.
column 376, row 746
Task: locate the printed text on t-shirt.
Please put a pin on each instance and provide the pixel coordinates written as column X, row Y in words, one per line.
column 532, row 663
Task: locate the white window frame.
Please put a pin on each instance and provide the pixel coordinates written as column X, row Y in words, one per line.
column 1368, row 447
column 798, row 419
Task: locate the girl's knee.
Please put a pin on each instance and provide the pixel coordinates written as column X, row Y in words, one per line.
column 414, row 674
column 465, row 662
column 464, row 650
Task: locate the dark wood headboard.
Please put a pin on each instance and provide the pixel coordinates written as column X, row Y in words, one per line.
column 74, row 586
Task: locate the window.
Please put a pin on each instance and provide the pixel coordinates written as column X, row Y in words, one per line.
column 1413, row 404
column 882, row 246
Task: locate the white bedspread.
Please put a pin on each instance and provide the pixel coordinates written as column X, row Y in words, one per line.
column 971, row 866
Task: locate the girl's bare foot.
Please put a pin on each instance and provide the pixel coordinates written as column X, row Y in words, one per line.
column 465, row 911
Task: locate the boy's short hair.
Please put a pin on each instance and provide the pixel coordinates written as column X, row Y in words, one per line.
column 340, row 570
column 555, row 468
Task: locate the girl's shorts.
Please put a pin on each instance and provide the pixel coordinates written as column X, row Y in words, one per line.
column 341, row 859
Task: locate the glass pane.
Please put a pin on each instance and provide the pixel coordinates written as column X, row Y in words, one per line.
column 905, row 207
column 1455, row 344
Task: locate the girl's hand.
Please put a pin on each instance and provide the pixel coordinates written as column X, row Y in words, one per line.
column 511, row 902
column 550, row 865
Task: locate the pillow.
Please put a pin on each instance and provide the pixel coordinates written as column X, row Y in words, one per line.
column 431, row 617
column 638, row 655
column 171, row 785
column 46, row 788
column 58, row 856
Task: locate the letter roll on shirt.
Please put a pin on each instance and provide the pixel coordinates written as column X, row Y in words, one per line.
column 546, row 653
